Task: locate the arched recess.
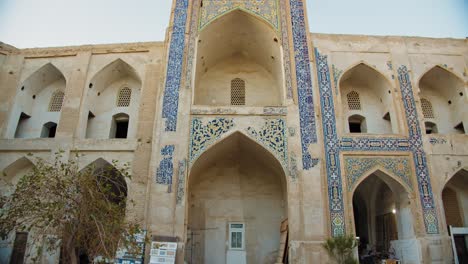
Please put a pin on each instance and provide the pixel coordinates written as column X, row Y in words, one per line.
column 13, row 173
column 455, row 199
column 235, row 181
column 31, row 108
column 238, row 45
column 375, row 97
column 445, row 91
column 382, row 214
column 103, row 99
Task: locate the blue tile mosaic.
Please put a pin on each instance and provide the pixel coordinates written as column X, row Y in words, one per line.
column 285, row 43
column 304, row 81
column 273, row 136
column 356, row 167
column 174, row 66
column 419, row 156
column 334, row 145
column 265, row 9
column 202, row 136
column 166, row 168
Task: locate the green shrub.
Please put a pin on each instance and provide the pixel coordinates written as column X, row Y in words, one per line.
column 340, row 249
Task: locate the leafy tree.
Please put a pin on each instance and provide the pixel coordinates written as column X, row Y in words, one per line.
column 340, row 249
column 79, row 210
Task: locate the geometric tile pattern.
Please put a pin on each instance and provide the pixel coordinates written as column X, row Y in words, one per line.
column 165, row 169
column 174, row 66
column 419, row 156
column 356, row 167
column 285, row 43
column 273, row 136
column 334, row 145
column 266, row 9
column 202, row 136
column 304, row 81
column 336, row 76
column 181, row 181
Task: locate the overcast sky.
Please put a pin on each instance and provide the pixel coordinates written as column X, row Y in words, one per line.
column 41, row 23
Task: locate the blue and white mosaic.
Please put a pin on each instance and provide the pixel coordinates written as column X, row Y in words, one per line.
column 174, row 66
column 336, row 76
column 273, row 136
column 166, row 168
column 266, row 9
column 356, row 167
column 304, row 81
column 202, row 136
column 419, row 156
column 287, row 56
column 334, row 145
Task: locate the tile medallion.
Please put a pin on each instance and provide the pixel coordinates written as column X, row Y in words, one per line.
column 174, row 66
column 166, row 168
column 356, row 167
column 203, row 135
column 266, row 9
column 304, row 81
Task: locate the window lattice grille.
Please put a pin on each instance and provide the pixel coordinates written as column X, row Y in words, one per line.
column 237, row 92
column 123, row 100
column 56, row 102
column 354, row 102
column 427, row 108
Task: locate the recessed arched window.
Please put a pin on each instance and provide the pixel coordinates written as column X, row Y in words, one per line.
column 427, row 108
column 357, row 124
column 237, row 91
column 119, row 127
column 431, row 128
column 56, row 101
column 124, row 96
column 354, row 102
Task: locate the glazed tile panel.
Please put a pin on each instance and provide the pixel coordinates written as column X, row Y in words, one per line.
column 419, row 156
column 266, row 9
column 174, row 66
column 166, row 167
column 334, row 145
column 332, row 150
column 356, row 167
column 304, row 81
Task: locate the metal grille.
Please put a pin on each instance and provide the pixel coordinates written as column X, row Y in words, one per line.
column 427, row 108
column 56, row 102
column 237, row 92
column 354, row 102
column 125, row 94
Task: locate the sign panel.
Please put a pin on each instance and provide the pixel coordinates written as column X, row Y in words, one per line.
column 124, row 257
column 163, row 252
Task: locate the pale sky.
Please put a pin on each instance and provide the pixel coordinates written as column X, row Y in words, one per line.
column 42, row 23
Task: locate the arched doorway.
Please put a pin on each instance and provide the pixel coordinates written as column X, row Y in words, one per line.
column 382, row 218
column 237, row 201
column 455, row 201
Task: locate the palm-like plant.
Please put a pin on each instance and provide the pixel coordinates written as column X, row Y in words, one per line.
column 340, row 249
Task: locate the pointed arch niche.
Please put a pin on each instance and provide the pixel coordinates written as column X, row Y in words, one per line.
column 104, row 99
column 382, row 214
column 455, row 200
column 444, row 92
column 32, row 110
column 13, row 173
column 238, row 45
column 367, row 93
column 235, row 180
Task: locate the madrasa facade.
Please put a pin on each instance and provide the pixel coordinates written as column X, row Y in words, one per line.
column 252, row 140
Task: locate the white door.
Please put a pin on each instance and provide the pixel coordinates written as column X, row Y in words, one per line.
column 236, row 250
